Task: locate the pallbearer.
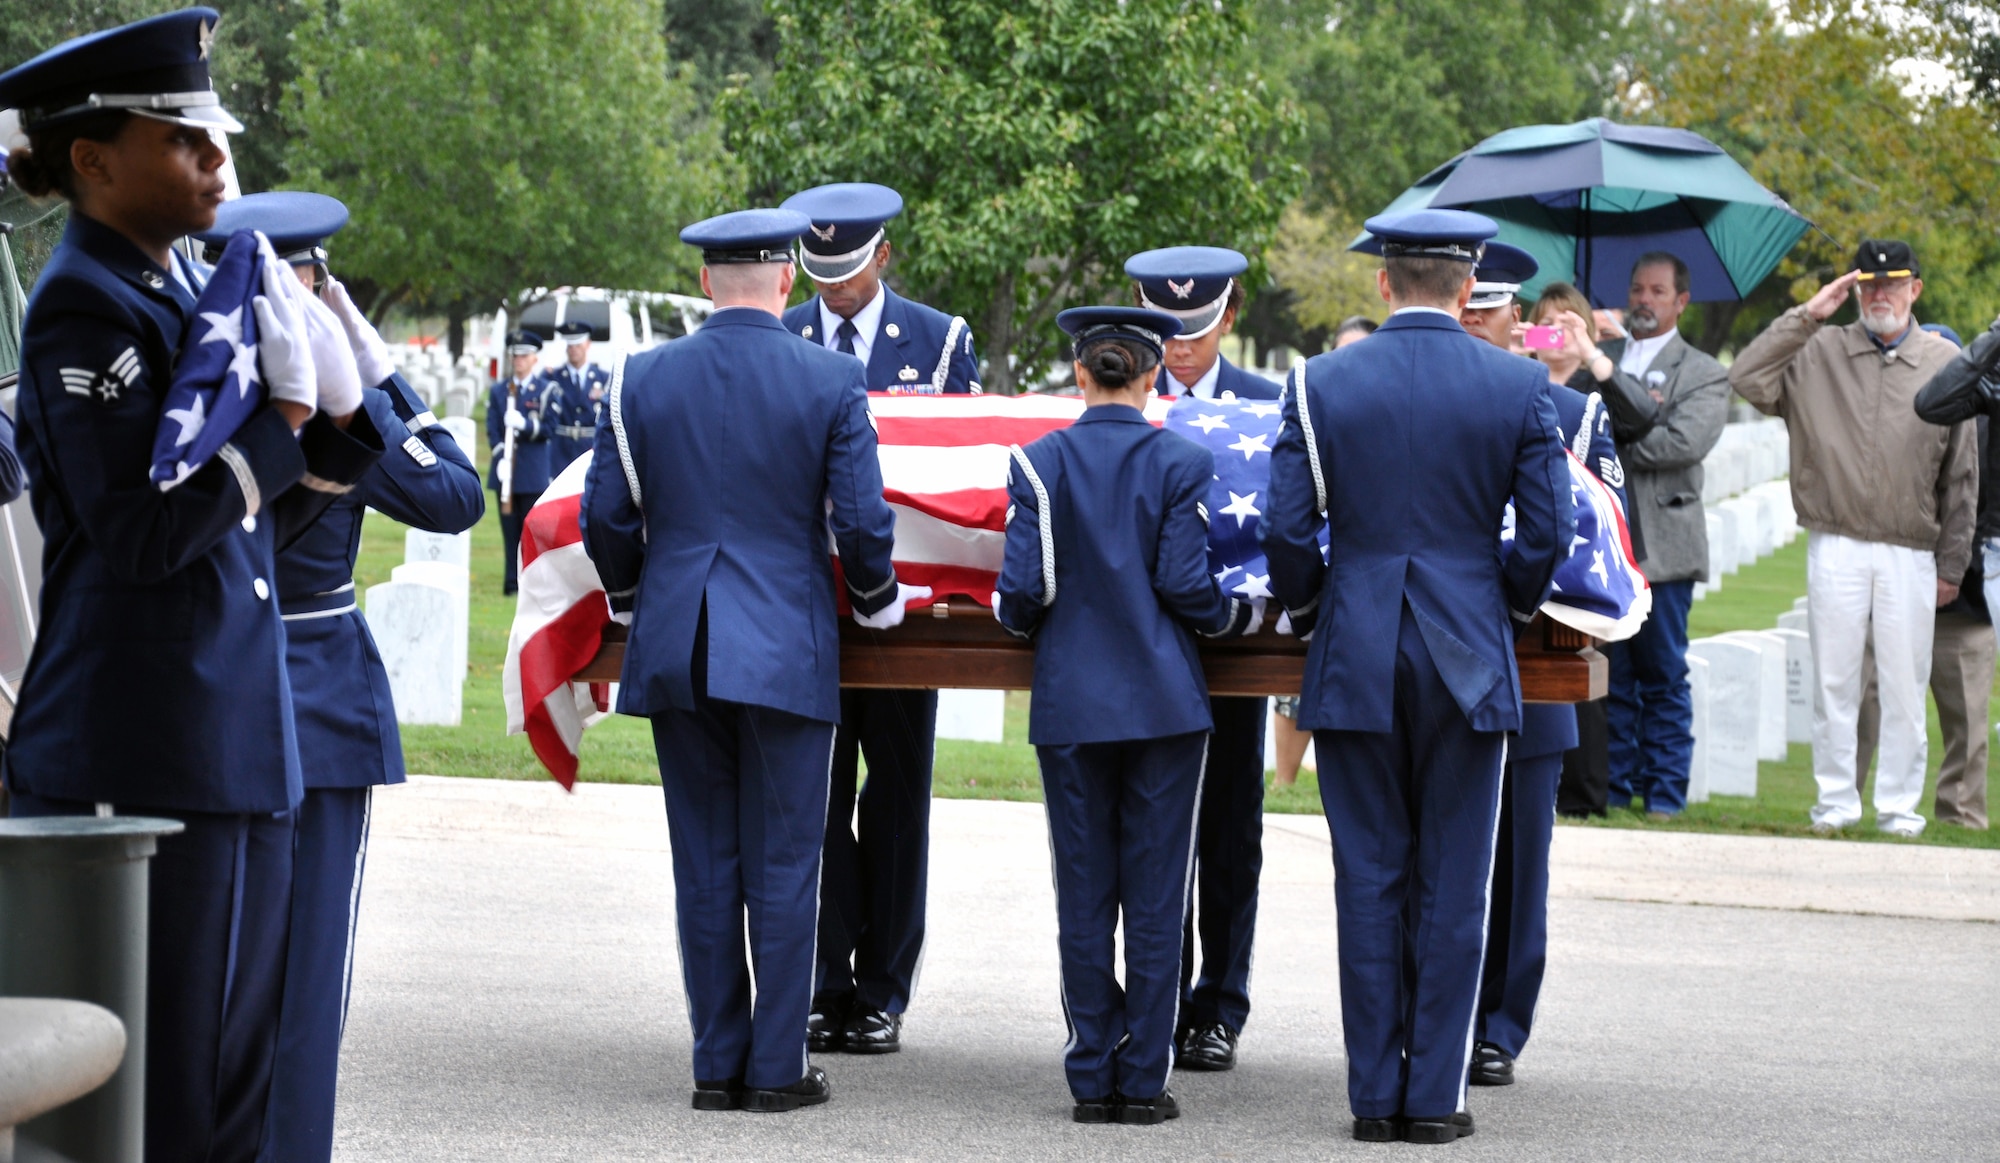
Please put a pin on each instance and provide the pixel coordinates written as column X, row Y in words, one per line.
column 738, row 448
column 872, row 888
column 157, row 686
column 1106, row 569
column 348, row 741
column 1407, row 447
column 515, row 402
column 1199, row 286
column 577, row 391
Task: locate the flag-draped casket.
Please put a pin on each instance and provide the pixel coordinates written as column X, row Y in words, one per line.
column 944, row 471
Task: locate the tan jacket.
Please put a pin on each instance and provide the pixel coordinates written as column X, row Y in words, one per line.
column 1863, row 465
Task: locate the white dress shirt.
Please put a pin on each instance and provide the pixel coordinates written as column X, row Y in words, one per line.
column 867, row 322
column 1640, row 353
column 1203, row 388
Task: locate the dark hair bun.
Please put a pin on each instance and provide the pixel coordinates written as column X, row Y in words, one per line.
column 1110, row 365
column 29, row 175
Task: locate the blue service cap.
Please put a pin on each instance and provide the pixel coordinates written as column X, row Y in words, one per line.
column 1430, row 233
column 1947, row 332
column 747, row 236
column 1152, row 328
column 1191, row 283
column 155, row 68
column 846, row 228
column 523, row 343
column 573, row 331
column 297, row 223
column 1500, row 274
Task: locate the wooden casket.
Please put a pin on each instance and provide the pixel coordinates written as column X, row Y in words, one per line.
column 957, row 644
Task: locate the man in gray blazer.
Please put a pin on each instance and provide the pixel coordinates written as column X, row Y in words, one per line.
column 1650, row 713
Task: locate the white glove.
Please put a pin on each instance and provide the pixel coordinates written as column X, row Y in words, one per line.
column 1285, row 626
column 996, row 618
column 515, row 420
column 891, row 615
column 1256, row 622
column 333, row 359
column 283, row 357
column 622, row 617
column 371, row 355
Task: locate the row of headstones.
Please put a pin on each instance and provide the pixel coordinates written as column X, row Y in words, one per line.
column 449, row 388
column 421, row 618
column 1745, row 528
column 1753, row 695
column 1745, row 455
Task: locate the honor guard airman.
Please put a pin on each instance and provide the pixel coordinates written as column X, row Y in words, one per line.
column 1201, row 287
column 515, row 403
column 159, row 607
column 576, row 393
column 1518, row 929
column 348, row 742
column 1106, row 571
column 739, row 449
column 1407, row 448
column 871, row 937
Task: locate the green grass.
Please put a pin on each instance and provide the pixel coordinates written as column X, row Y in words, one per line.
column 620, row 749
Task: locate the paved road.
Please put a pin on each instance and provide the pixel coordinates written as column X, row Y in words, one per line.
column 517, row 996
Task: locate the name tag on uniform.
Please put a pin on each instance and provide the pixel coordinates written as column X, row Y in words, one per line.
column 420, row 452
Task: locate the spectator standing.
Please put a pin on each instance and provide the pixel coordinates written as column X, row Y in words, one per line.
column 1650, row 714
column 1888, row 501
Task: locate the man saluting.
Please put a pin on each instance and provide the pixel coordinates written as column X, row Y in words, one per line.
column 737, row 449
column 1407, row 447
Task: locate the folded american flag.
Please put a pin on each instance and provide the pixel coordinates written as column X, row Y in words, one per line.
column 216, row 386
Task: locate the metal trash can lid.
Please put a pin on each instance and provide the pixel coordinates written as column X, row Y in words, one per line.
column 69, row 839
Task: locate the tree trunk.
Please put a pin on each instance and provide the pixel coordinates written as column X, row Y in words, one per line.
column 455, row 316
column 1716, row 321
column 998, row 340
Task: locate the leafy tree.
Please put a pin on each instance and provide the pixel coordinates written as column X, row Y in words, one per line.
column 1814, row 101
column 721, row 39
column 1036, row 143
column 487, row 150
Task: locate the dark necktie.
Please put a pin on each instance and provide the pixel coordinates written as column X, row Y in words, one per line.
column 846, row 334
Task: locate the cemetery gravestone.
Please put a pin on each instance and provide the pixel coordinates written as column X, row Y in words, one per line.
column 980, row 716
column 1736, row 682
column 1799, row 684
column 1698, row 762
column 412, row 623
column 1771, row 721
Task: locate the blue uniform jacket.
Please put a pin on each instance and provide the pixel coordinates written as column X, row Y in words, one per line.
column 1408, row 447
column 910, row 347
column 738, row 447
column 1585, row 426
column 340, row 691
column 534, row 445
column 1106, row 567
column 568, row 396
column 158, row 676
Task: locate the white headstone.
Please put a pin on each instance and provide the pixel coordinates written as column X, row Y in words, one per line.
column 466, row 433
column 1735, row 687
column 447, row 576
column 1792, row 620
column 1799, row 603
column 458, row 401
column 1729, row 545
column 412, row 624
column 1309, row 762
column 980, row 716
column 450, row 548
column 1799, row 687
column 1772, row 725
column 1698, row 761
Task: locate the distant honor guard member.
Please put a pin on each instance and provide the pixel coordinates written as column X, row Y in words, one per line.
column 348, row 742
column 157, row 686
column 738, row 450
column 1106, row 570
column 516, row 403
column 1201, row 288
column 1407, row 448
column 577, row 391
column 871, row 921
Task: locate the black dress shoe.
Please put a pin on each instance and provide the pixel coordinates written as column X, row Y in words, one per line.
column 825, row 1024
column 872, row 1031
column 1210, row 1047
column 1148, row 1112
column 1447, row 1130
column 1377, row 1130
column 811, row 1090
column 1095, row 1110
column 718, row 1094
column 1491, row 1066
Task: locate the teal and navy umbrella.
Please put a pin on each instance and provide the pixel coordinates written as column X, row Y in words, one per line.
column 1589, row 198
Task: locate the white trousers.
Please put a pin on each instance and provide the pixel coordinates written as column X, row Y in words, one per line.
column 1850, row 586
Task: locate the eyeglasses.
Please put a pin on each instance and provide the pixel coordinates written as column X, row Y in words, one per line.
column 1888, row 282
